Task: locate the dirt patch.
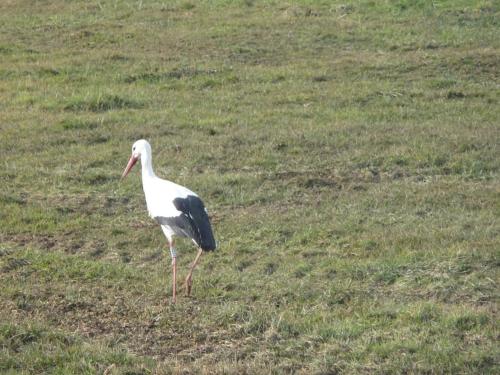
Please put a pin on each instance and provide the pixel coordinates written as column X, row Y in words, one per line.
column 145, row 327
column 44, row 242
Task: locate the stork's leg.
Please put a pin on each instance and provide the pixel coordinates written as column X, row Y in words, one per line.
column 189, row 277
column 174, row 278
column 174, row 269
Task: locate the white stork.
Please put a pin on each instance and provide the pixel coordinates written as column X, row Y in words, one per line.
column 177, row 209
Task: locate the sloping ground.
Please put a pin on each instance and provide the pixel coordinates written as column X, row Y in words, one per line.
column 348, row 155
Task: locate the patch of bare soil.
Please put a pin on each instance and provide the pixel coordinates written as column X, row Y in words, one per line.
column 154, row 328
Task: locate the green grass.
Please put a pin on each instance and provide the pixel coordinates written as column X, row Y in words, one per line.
column 348, row 154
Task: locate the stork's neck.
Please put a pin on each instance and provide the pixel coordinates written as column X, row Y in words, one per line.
column 147, row 166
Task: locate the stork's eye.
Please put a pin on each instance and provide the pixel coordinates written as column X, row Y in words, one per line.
column 133, row 148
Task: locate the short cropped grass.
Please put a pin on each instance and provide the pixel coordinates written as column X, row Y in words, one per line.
column 347, row 151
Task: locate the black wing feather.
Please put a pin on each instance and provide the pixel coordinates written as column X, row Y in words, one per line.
column 193, row 222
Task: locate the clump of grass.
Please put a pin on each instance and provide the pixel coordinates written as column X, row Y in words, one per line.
column 103, row 103
column 187, row 5
column 78, row 124
column 179, row 73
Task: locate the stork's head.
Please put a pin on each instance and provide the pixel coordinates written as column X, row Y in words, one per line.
column 139, row 148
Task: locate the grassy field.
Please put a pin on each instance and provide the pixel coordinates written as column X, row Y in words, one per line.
column 348, row 152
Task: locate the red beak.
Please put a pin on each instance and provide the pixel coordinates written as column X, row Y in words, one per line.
column 130, row 164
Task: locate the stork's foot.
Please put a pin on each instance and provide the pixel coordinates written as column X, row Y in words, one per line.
column 173, row 299
column 189, row 284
